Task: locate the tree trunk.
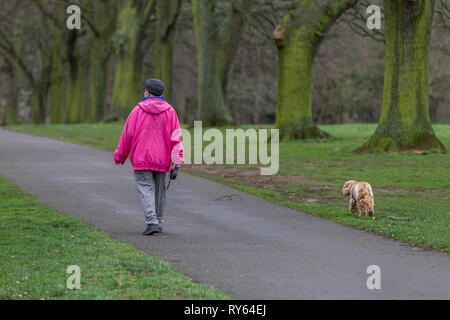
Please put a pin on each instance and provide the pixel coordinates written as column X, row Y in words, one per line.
column 97, row 90
column 127, row 84
column 56, row 90
column 167, row 12
column 126, row 89
column 163, row 65
column 104, row 21
column 56, row 80
column 11, row 111
column 230, row 38
column 40, row 91
column 57, row 49
column 74, row 99
column 405, row 122
column 38, row 104
column 215, row 52
column 297, row 39
column 74, row 93
column 131, row 40
column 212, row 109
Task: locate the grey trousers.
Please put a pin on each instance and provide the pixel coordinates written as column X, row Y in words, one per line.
column 151, row 186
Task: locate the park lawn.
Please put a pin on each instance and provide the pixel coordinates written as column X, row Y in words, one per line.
column 37, row 244
column 412, row 191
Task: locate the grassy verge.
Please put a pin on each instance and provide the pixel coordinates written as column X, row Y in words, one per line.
column 37, row 244
column 407, row 186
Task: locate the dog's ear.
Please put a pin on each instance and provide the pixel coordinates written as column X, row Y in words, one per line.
column 346, row 188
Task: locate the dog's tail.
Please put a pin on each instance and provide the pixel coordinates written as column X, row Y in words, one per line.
column 367, row 201
column 366, row 198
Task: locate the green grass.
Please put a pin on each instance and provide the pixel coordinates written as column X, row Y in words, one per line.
column 37, row 244
column 311, row 175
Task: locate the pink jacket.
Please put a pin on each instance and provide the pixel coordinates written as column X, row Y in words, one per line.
column 152, row 136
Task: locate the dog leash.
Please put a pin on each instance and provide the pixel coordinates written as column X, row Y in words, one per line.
column 353, row 197
column 172, row 175
column 168, row 183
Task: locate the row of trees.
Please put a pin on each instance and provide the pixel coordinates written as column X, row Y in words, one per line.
column 405, row 122
column 69, row 71
column 72, row 68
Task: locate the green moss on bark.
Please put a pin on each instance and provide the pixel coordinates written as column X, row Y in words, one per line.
column 167, row 14
column 11, row 111
column 126, row 89
column 56, row 82
column 104, row 17
column 130, row 40
column 216, row 46
column 212, row 108
column 74, row 100
column 297, row 39
column 405, row 122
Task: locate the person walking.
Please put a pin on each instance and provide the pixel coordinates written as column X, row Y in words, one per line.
column 152, row 137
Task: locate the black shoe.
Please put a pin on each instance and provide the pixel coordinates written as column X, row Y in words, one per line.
column 151, row 229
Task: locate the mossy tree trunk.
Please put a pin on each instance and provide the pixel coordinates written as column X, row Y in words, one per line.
column 126, row 71
column 212, row 109
column 74, row 106
column 41, row 88
column 102, row 23
column 167, row 12
column 56, row 96
column 48, row 85
column 56, row 89
column 11, row 72
column 86, row 78
column 38, row 103
column 405, row 122
column 48, row 88
column 130, row 41
column 297, row 39
column 215, row 51
column 74, row 99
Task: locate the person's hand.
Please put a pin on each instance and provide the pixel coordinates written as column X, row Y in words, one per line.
column 174, row 172
column 117, row 157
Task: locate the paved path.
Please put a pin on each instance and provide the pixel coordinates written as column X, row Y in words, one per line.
column 248, row 247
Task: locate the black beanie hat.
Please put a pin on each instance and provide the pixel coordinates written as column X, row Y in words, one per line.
column 154, row 86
